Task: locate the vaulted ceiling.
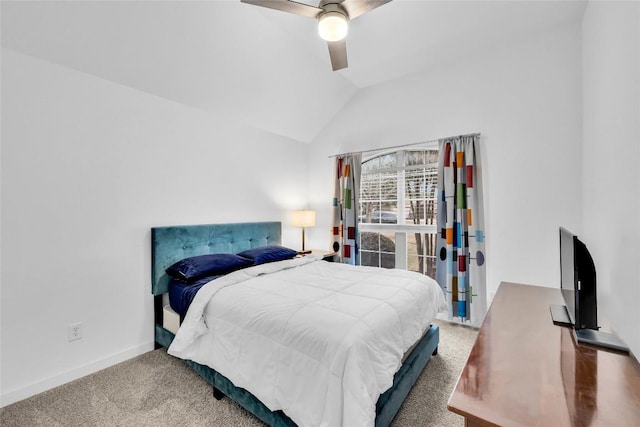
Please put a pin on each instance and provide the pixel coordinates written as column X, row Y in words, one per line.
column 262, row 67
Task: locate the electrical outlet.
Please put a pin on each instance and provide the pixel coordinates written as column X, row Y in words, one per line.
column 74, row 331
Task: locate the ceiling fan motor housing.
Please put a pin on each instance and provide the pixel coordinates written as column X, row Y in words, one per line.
column 333, row 22
column 330, row 6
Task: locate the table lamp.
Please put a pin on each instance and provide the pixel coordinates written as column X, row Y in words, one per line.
column 303, row 219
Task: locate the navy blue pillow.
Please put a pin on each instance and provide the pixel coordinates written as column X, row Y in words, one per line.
column 193, row 268
column 266, row 254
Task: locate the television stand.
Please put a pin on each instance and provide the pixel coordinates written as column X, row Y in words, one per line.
column 559, row 315
column 601, row 339
column 525, row 371
column 608, row 340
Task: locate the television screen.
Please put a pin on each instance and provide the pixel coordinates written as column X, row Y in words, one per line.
column 578, row 288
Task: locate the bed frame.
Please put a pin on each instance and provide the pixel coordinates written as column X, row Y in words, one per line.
column 170, row 244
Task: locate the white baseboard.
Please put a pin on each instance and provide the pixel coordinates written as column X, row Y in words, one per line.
column 12, row 396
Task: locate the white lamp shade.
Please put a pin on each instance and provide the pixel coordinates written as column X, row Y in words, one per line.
column 303, row 218
column 333, row 26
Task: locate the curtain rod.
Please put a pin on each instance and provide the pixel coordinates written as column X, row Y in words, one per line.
column 404, row 145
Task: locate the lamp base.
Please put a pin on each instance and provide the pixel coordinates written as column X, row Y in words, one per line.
column 304, row 252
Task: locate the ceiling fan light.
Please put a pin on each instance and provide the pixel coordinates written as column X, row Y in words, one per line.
column 333, row 26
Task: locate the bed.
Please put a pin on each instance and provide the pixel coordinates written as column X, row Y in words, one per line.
column 173, row 243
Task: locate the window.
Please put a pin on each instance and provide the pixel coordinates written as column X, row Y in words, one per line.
column 398, row 209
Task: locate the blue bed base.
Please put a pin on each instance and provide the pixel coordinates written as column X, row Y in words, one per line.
column 170, row 244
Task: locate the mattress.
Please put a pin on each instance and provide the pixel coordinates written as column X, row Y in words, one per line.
column 170, row 319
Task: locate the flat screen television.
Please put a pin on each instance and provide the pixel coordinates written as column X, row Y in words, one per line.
column 578, row 288
column 578, row 281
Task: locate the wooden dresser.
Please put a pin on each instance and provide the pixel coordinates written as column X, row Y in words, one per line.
column 525, row 371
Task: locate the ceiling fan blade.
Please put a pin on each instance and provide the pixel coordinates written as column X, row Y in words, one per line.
column 287, row 6
column 338, row 54
column 356, row 8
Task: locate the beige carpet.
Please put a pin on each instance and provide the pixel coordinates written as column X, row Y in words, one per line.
column 155, row 389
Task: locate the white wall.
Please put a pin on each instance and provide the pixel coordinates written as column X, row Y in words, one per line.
column 611, row 158
column 88, row 166
column 525, row 99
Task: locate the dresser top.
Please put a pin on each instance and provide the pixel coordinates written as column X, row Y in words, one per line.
column 525, row 370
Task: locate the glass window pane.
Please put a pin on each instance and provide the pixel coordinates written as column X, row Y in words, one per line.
column 414, row 158
column 370, row 187
column 367, row 210
column 369, row 241
column 370, row 165
column 430, row 241
column 414, row 263
column 388, row 242
column 387, row 260
column 431, row 267
column 415, row 243
column 388, row 160
column 370, row 259
column 415, row 183
column 431, row 156
column 386, row 214
column 388, row 186
column 378, row 249
column 415, row 211
column 431, row 212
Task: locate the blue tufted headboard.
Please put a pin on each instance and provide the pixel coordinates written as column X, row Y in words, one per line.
column 171, row 244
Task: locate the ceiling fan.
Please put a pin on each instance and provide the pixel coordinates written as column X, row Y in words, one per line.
column 333, row 20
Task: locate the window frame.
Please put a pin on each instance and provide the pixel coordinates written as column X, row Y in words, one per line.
column 401, row 231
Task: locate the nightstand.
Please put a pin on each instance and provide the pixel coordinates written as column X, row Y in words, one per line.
column 326, row 255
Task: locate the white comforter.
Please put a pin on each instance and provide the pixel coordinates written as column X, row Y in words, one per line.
column 319, row 340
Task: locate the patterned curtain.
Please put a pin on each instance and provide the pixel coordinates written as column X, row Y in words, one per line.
column 460, row 266
column 345, row 208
